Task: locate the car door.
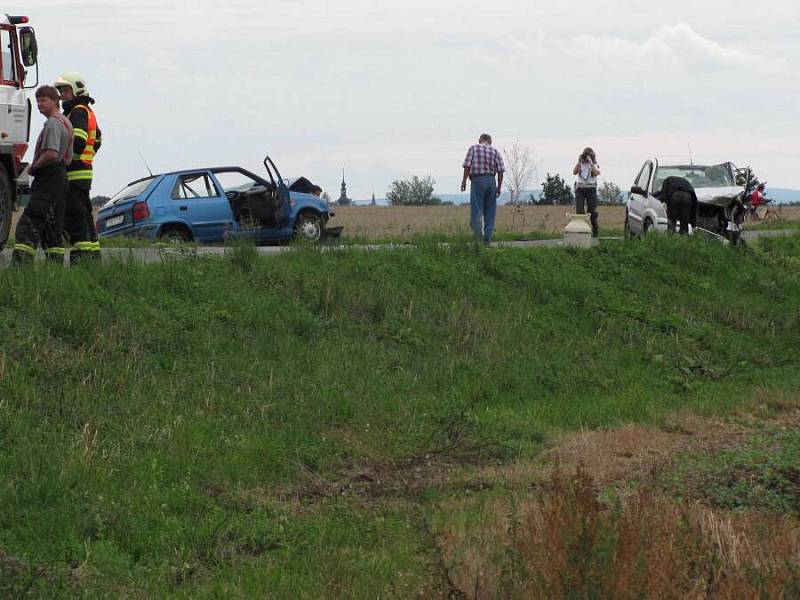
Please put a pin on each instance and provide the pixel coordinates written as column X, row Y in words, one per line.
column 654, row 205
column 637, row 201
column 242, row 188
column 281, row 199
column 198, row 200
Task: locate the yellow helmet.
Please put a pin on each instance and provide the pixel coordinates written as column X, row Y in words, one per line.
column 74, row 80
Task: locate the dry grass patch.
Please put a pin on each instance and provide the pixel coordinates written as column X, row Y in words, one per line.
column 631, row 451
column 398, row 222
column 591, row 522
column 563, row 542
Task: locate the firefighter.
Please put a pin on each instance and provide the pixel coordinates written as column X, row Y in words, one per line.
column 78, row 217
column 42, row 221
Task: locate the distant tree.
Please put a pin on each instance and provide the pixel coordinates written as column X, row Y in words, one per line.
column 610, row 193
column 747, row 178
column 741, row 176
column 521, row 166
column 556, row 191
column 413, row 192
column 99, row 200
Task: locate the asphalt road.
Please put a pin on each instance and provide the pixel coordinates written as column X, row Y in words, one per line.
column 156, row 255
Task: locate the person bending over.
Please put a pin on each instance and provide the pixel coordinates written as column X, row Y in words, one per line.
column 681, row 200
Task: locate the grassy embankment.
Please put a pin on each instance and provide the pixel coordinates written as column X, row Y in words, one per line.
column 343, row 424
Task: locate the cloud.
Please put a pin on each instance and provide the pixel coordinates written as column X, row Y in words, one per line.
column 675, row 47
column 388, row 89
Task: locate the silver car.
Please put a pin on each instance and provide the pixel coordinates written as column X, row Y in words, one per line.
column 718, row 194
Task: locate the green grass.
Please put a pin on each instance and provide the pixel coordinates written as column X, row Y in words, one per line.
column 762, row 474
column 177, row 429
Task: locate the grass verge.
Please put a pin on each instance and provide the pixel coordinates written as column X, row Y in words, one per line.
column 293, row 426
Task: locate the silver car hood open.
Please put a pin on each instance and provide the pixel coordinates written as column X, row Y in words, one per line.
column 718, row 196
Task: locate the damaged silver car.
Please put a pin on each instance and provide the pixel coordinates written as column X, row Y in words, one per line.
column 720, row 211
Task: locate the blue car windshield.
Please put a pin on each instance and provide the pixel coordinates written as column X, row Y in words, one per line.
column 130, row 191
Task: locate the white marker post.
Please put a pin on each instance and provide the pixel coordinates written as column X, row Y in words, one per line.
column 578, row 231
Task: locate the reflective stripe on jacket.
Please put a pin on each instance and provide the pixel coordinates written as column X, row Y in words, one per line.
column 81, row 166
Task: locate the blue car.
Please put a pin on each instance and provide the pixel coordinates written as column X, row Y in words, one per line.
column 217, row 205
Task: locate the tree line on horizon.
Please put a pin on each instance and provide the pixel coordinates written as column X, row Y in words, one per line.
column 416, row 191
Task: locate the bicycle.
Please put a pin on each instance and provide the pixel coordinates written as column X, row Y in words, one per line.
column 762, row 213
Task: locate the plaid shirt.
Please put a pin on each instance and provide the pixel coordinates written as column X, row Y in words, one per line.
column 482, row 159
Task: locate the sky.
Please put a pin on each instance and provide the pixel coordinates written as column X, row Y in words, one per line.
column 387, row 90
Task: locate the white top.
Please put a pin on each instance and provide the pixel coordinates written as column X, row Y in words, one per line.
column 585, row 177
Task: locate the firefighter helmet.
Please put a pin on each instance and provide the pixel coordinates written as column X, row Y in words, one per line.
column 75, row 81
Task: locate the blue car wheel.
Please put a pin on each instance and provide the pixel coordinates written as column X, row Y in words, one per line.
column 175, row 235
column 308, row 227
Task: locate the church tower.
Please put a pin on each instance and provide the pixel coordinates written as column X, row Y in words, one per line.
column 343, row 199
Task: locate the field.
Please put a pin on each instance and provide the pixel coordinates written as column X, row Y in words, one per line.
column 404, row 223
column 398, row 222
column 445, row 421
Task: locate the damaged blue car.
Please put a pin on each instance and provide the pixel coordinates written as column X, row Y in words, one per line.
column 216, row 205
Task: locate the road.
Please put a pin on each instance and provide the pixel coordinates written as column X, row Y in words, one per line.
column 161, row 254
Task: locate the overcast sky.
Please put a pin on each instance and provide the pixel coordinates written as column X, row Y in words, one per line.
column 392, row 89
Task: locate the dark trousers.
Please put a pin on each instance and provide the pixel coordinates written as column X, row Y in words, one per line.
column 42, row 221
column 78, row 221
column 587, row 196
column 679, row 208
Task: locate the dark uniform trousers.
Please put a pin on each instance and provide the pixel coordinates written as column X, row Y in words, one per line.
column 78, row 220
column 679, row 208
column 42, row 221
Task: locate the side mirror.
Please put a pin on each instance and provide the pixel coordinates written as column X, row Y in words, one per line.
column 28, row 47
column 638, row 191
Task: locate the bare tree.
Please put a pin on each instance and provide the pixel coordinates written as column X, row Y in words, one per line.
column 521, row 169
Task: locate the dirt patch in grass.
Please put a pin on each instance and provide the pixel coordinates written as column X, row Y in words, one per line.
column 406, row 477
column 620, row 457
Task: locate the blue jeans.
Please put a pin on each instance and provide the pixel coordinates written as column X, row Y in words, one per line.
column 483, row 205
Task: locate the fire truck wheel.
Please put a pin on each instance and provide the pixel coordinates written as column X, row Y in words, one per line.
column 5, row 207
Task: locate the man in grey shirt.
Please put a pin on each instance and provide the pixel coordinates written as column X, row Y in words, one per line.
column 42, row 221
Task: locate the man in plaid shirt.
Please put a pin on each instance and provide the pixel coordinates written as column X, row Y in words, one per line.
column 481, row 165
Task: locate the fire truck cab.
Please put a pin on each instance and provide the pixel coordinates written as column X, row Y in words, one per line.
column 18, row 73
